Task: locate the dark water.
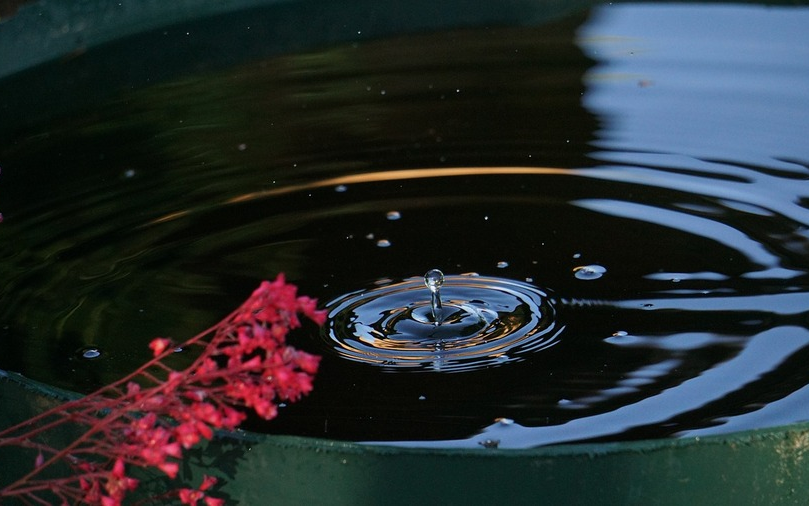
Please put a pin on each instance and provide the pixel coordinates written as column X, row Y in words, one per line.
column 663, row 147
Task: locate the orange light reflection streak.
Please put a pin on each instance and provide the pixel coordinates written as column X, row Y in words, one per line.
column 373, row 177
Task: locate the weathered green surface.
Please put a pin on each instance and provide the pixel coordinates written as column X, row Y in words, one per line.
column 767, row 467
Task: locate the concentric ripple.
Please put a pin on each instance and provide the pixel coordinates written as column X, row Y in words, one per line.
column 486, row 321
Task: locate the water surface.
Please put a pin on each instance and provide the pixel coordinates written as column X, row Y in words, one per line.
column 643, row 166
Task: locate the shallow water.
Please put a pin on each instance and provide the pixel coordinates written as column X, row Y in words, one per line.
column 643, row 168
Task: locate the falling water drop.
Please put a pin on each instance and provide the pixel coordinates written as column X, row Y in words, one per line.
column 434, row 279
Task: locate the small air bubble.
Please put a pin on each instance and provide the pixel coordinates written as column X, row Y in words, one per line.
column 129, row 173
column 341, row 188
column 502, row 265
column 242, row 147
column 422, row 398
column 576, row 255
column 393, row 215
column 90, row 353
column 589, row 272
column 383, row 243
column 370, row 237
column 620, row 333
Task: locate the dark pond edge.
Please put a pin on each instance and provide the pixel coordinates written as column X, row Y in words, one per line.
column 767, row 466
column 68, row 54
column 61, row 55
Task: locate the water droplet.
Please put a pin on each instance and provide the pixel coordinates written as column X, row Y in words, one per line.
column 576, row 255
column 129, row 173
column 178, row 349
column 369, row 236
column 434, row 279
column 589, row 272
column 393, row 215
column 383, row 243
column 620, row 333
column 529, row 280
column 90, row 352
column 341, row 188
column 242, row 146
column 504, row 421
column 422, row 398
column 502, row 265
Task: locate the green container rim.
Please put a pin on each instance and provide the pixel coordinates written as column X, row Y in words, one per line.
column 766, row 466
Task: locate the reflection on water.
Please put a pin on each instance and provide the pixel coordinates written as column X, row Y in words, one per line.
column 631, row 162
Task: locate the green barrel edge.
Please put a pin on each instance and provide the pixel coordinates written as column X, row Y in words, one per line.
column 761, row 467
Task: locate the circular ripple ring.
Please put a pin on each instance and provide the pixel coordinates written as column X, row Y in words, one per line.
column 486, row 322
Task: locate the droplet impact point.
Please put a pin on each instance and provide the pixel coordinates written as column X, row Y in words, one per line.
column 434, row 279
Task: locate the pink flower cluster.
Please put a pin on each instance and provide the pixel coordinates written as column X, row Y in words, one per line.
column 155, row 413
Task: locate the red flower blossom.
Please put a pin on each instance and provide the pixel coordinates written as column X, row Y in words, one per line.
column 147, row 420
column 192, row 496
column 159, row 345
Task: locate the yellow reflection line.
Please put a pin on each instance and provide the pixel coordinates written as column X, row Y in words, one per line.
column 375, row 177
